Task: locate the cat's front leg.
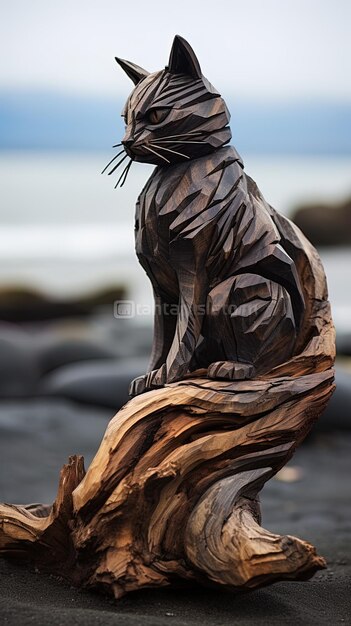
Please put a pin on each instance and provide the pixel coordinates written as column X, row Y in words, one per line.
column 192, row 308
column 190, row 313
column 165, row 319
column 179, row 357
column 186, row 335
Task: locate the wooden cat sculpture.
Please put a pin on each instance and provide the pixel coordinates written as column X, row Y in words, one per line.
column 209, row 242
column 241, row 367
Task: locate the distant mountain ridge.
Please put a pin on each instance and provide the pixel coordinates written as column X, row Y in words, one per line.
column 56, row 121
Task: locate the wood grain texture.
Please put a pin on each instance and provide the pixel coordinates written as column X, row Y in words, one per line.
column 241, row 367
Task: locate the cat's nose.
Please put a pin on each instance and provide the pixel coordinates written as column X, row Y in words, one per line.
column 127, row 143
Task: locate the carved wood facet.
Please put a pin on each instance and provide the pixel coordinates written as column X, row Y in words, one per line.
column 241, row 367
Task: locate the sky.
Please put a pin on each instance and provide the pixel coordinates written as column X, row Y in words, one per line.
column 270, row 50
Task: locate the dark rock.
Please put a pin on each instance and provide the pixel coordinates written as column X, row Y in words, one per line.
column 103, row 383
column 127, row 338
column 337, row 415
column 20, row 304
column 19, row 370
column 55, row 351
column 102, row 336
column 325, row 224
column 343, row 343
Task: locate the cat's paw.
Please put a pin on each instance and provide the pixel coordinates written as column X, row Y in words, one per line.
column 157, row 378
column 231, row 370
column 137, row 386
column 151, row 380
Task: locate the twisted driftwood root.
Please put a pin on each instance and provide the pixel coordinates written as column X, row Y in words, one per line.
column 172, row 491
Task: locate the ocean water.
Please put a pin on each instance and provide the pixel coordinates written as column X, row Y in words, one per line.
column 65, row 230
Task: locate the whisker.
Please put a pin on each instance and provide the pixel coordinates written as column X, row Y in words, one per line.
column 126, row 170
column 109, row 163
column 121, row 176
column 119, row 163
column 157, row 154
column 116, row 145
column 174, row 141
column 191, row 132
column 173, row 151
column 123, row 171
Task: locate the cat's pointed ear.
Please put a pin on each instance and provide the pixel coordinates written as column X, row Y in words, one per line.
column 183, row 59
column 135, row 73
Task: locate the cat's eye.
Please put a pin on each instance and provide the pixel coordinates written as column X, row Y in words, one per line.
column 155, row 116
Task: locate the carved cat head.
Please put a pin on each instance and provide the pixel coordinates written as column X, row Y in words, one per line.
column 175, row 114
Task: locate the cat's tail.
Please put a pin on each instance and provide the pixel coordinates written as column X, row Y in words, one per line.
column 315, row 347
column 319, row 352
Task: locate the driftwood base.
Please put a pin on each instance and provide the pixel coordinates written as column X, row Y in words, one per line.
column 172, row 492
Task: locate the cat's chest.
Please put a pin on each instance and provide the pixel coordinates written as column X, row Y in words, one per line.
column 158, row 206
column 177, row 196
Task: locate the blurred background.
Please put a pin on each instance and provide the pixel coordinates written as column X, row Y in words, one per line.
column 66, row 236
